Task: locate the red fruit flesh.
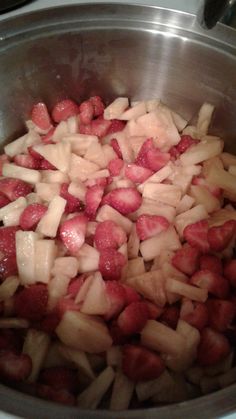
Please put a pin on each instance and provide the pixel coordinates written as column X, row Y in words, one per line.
column 170, row 316
column 108, row 234
column 116, row 126
column 133, row 318
column 141, row 364
column 186, row 141
column 31, row 215
column 31, row 302
column 150, row 157
column 131, row 295
column 196, row 235
column 219, row 237
column 60, row 378
column 75, row 285
column 230, row 272
column 64, row 109
column 93, row 199
column 117, row 298
column 86, row 112
column 98, row 105
column 150, row 225
column 216, row 284
column 40, row 116
column 28, row 161
column 73, row 204
column 186, row 260
column 194, row 313
column 212, row 263
column 8, row 264
column 57, row 396
column 4, row 200
column 14, row 188
column 124, row 200
column 213, row 347
column 14, row 367
column 221, row 314
column 115, row 166
column 111, row 263
column 72, row 233
column 116, row 148
column 137, row 174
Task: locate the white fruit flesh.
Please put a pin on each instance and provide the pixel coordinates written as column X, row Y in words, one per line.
column 49, row 223
column 18, row 172
column 36, row 345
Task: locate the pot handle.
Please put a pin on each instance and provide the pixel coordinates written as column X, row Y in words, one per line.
column 211, row 11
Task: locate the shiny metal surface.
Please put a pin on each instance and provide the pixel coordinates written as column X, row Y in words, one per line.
column 138, row 51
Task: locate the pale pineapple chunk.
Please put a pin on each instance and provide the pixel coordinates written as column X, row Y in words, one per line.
column 221, row 367
column 125, row 147
column 77, row 358
column 200, row 152
column 88, row 258
column 232, row 170
column 185, row 204
column 36, row 345
column 8, row 287
column 57, row 288
column 100, row 174
column 227, row 378
column 133, row 243
column 66, row 266
column 80, row 168
column 45, row 253
column 159, row 176
column 77, row 189
column 80, row 297
column 201, row 195
column 150, row 285
column 186, row 290
column 135, row 267
column 228, row 159
column 190, row 130
column 222, row 179
column 54, row 176
column 59, row 155
column 25, row 256
column 116, row 108
column 134, row 112
column 13, row 322
column 146, row 389
column 114, row 356
column 152, row 247
column 136, row 143
column 49, row 223
column 22, row 173
column 204, row 119
column 194, row 374
column 47, row 191
column 174, row 391
column 108, row 213
column 122, row 392
column 92, row 395
column 95, row 155
column 61, row 131
column 18, row 204
column 191, row 216
column 151, row 207
column 96, row 301
column 165, row 194
column 21, row 144
column 109, row 153
column 209, row 384
column 81, row 142
column 33, row 198
column 179, row 121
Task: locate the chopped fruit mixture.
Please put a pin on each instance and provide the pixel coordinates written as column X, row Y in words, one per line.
column 117, row 256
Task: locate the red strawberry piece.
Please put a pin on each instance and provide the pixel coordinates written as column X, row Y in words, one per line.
column 31, row 302
column 108, row 234
column 57, row 396
column 141, row 364
column 154, row 311
column 9, row 340
column 100, row 127
column 213, row 347
column 47, row 139
column 131, row 295
column 150, row 157
column 150, row 225
column 194, row 313
column 214, row 190
column 230, row 272
column 116, row 126
column 133, row 318
column 4, row 200
column 170, row 316
column 116, row 295
column 60, row 378
column 8, row 265
column 216, row 284
column 115, row 166
column 117, row 336
column 32, row 152
column 124, row 200
column 196, row 235
column 64, row 109
column 72, row 233
column 212, row 263
column 75, row 285
column 137, row 174
column 93, row 199
column 221, row 314
column 186, row 260
column 98, row 105
column 28, row 161
column 31, row 215
column 14, row 188
column 115, row 145
column 46, row 165
column 14, row 367
column 73, row 204
column 219, row 237
column 40, row 116
column 111, row 263
column 186, row 141
column 3, row 159
column 50, row 322
column 174, row 153
column 101, row 181
column 66, row 304
column 86, row 112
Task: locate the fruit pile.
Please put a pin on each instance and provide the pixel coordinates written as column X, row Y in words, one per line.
column 117, row 263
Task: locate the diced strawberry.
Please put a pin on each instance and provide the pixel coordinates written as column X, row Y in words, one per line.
column 72, row 233
column 124, row 200
column 59, row 378
column 28, row 161
column 186, row 260
column 174, row 153
column 4, row 200
column 32, row 152
column 100, row 181
column 31, row 215
column 216, row 284
column 115, row 145
column 137, row 174
column 73, row 204
column 214, row 190
column 116, row 126
column 14, row 367
column 150, row 157
column 133, row 318
column 93, row 199
column 141, row 364
column 115, row 166
column 14, row 188
column 131, row 295
column 98, row 127
column 98, row 105
column 3, row 159
column 170, row 316
column 64, row 109
column 86, row 112
column 230, row 272
column 221, row 314
column 75, row 285
column 154, row 311
column 213, row 347
column 66, row 304
column 150, row 225
column 8, row 264
column 9, row 340
column 46, row 165
column 47, row 139
column 116, row 295
column 186, row 141
column 196, row 235
column 212, row 263
column 57, row 396
column 50, row 322
column 219, row 237
column 109, row 235
column 31, row 302
column 194, row 313
column 40, row 116
column 118, row 338
column 111, row 263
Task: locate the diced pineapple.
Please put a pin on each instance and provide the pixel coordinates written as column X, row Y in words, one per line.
column 221, row 367
column 108, row 213
column 122, row 392
column 146, row 389
column 190, row 130
column 81, row 142
column 151, row 207
column 222, row 179
column 8, row 287
column 100, row 174
column 73, row 124
column 185, row 204
column 92, row 395
column 21, row 144
column 77, row 189
column 54, row 176
column 232, row 170
column 83, row 332
column 207, row 164
column 134, row 112
column 36, row 345
column 179, row 121
column 45, row 253
column 161, row 193
column 228, row 159
column 80, row 168
column 201, row 195
column 47, row 191
column 61, row 131
column 33, row 198
column 221, row 216
column 54, row 358
column 96, row 301
column 176, row 391
column 77, row 358
column 22, row 173
column 152, row 247
column 191, row 216
column 159, row 176
column 88, row 258
column 135, row 267
column 49, row 223
column 133, row 243
column 150, row 285
column 186, row 290
column 95, row 155
column 116, row 108
column 200, row 152
column 109, row 153
column 59, row 155
column 204, row 119
column 57, row 288
column 136, row 143
column 66, row 266
column 114, row 356
column 194, row 374
column 25, row 256
column 80, row 297
column 19, row 203
column 13, row 322
column 125, row 147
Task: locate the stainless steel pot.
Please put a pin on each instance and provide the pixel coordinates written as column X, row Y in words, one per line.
column 112, row 50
